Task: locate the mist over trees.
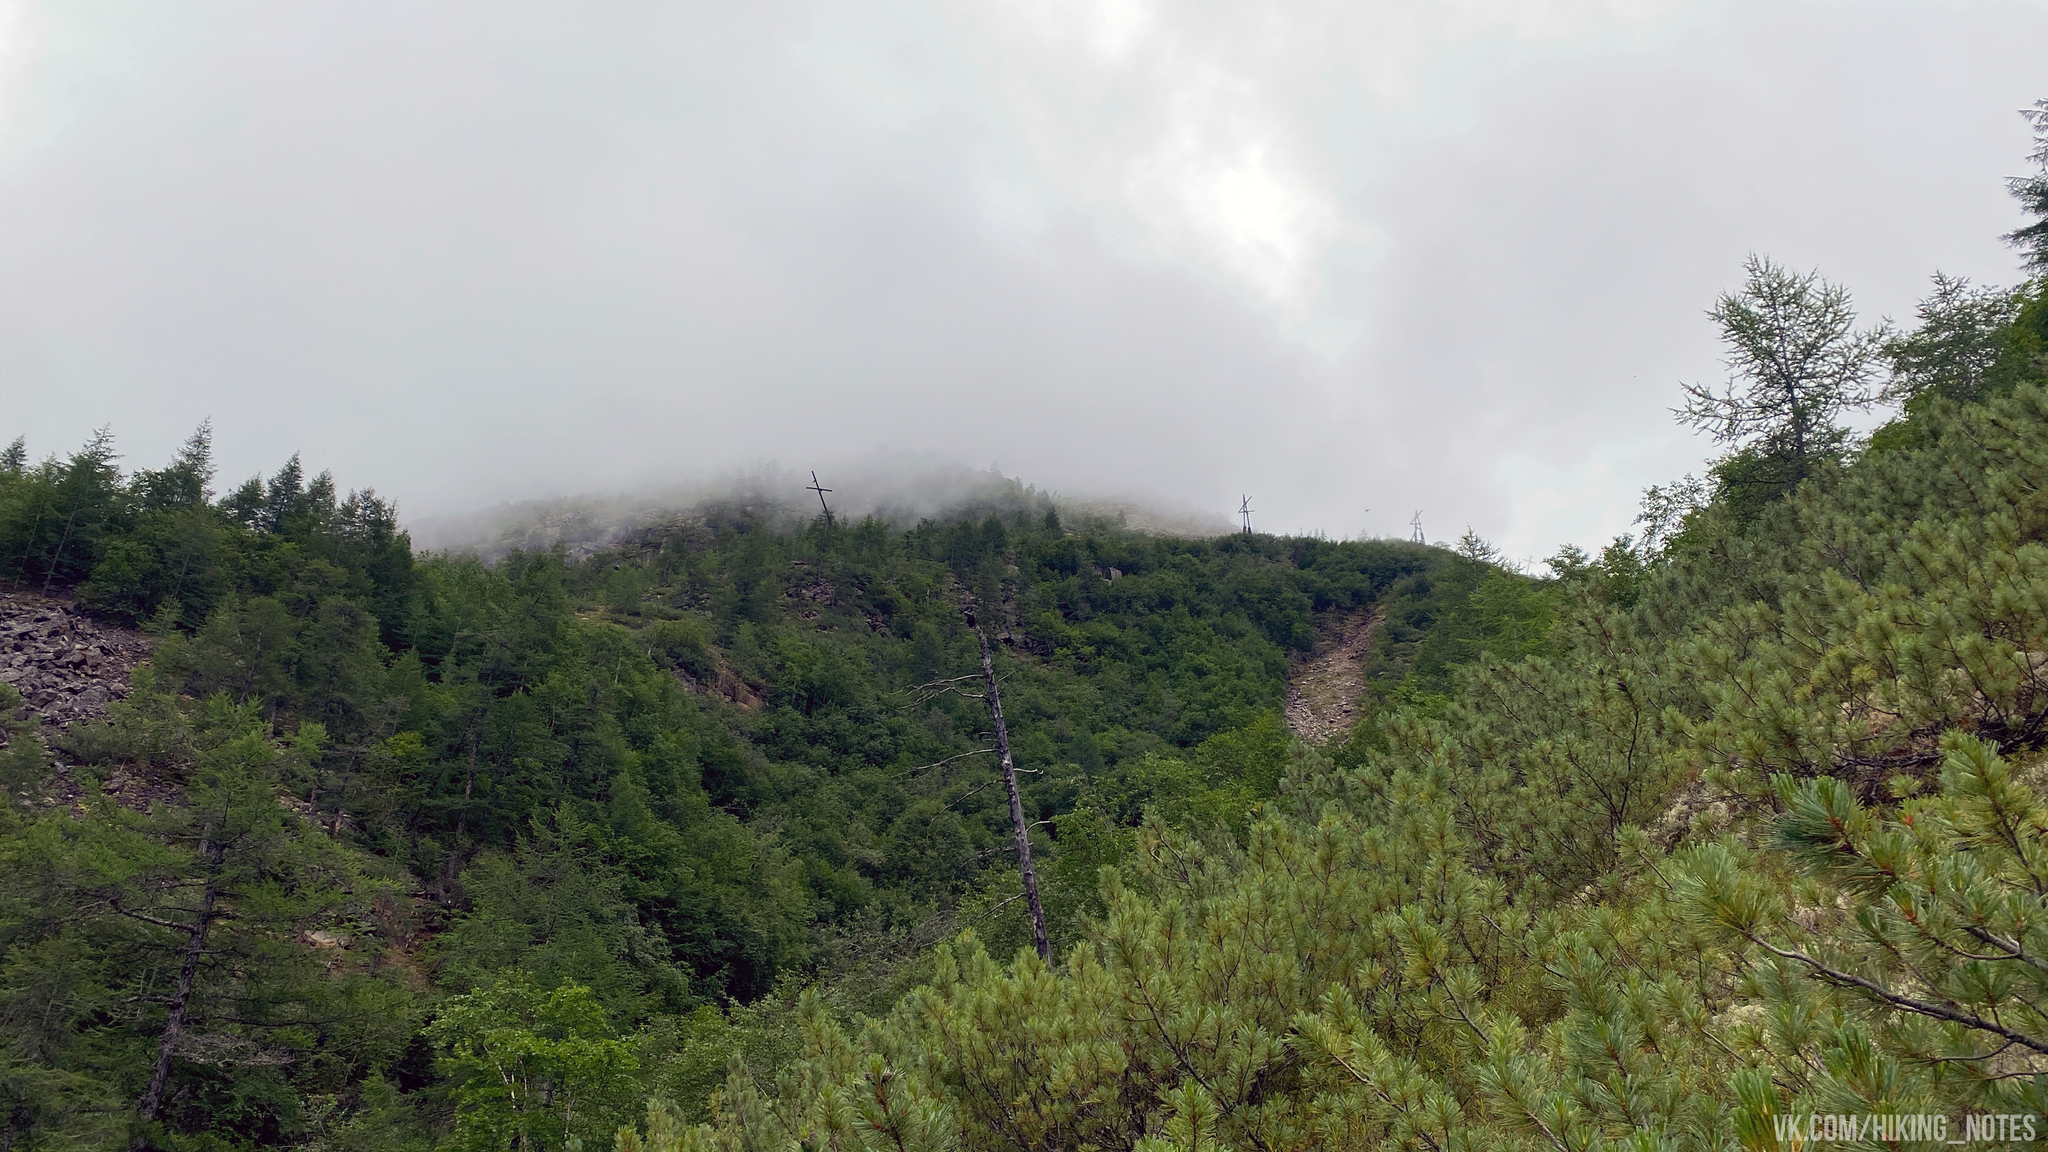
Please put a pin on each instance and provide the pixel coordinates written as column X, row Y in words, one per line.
column 594, row 807
column 1738, row 822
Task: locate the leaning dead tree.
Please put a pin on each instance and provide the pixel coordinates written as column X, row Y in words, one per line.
column 992, row 694
column 1023, row 830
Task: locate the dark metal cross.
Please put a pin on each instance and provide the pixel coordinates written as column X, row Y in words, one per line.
column 820, row 489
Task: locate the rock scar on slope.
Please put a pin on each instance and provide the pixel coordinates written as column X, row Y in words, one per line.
column 66, row 666
column 1323, row 687
column 68, row 669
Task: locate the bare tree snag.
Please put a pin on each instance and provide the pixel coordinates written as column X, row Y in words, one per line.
column 995, row 711
column 181, row 1000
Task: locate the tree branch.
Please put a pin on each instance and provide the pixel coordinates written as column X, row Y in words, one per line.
column 1898, row 1000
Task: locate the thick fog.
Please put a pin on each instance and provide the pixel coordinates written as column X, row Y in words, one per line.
column 1355, row 259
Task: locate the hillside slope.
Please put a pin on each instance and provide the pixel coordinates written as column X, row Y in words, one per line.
column 688, row 772
column 1758, row 839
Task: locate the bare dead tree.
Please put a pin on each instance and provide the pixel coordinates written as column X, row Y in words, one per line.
column 991, row 693
column 1023, row 830
column 181, row 999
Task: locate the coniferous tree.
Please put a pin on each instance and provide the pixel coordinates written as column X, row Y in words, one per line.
column 184, row 483
column 1959, row 341
column 57, row 516
column 22, row 755
column 1547, row 895
column 1798, row 362
column 2032, row 193
column 284, row 494
column 246, row 503
column 171, row 949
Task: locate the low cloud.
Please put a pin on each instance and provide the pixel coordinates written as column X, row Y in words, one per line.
column 1357, row 260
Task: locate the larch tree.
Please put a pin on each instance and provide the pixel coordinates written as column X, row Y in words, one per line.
column 1959, row 340
column 1797, row 364
column 229, row 939
column 2032, row 193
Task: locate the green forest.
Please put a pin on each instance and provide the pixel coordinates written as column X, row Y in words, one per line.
column 701, row 842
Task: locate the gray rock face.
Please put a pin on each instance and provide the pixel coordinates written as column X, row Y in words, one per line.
column 66, row 666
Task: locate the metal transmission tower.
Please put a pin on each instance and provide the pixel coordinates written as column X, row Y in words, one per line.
column 820, row 489
column 1244, row 509
column 1416, row 524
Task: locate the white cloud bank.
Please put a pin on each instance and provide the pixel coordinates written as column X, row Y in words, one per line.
column 1397, row 256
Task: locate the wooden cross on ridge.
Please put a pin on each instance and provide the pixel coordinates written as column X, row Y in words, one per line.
column 820, row 489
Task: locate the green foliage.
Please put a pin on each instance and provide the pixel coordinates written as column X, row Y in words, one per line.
column 534, row 1069
column 1735, row 821
column 2032, row 193
column 689, row 776
column 58, row 515
column 1904, row 958
column 1798, row 364
column 275, row 927
column 24, row 760
column 1963, row 336
column 555, row 908
column 1729, row 842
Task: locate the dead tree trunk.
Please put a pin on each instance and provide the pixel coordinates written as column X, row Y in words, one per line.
column 1023, row 830
column 453, row 865
column 181, row 999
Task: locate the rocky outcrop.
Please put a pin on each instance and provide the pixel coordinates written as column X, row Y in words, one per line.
column 67, row 666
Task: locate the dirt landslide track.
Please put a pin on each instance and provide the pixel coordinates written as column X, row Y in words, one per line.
column 1323, row 687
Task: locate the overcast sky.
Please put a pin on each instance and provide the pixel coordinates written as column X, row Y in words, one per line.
column 1376, row 254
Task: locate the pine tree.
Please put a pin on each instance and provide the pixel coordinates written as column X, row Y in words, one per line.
column 1904, row 974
